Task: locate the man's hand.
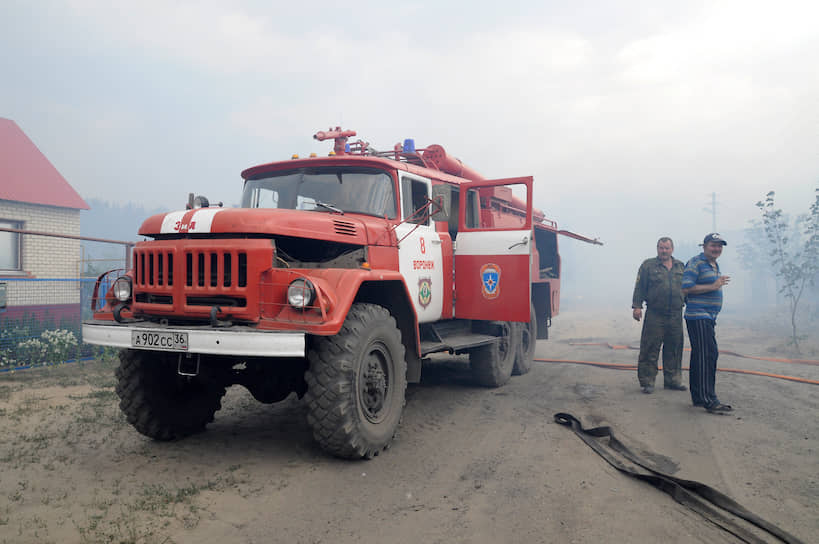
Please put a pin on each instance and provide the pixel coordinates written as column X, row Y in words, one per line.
column 707, row 287
column 637, row 314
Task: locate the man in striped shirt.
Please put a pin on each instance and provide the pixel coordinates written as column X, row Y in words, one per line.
column 702, row 284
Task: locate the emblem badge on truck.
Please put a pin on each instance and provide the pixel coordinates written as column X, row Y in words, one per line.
column 490, row 280
column 424, row 291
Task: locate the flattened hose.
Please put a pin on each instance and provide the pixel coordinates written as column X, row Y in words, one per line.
column 694, row 495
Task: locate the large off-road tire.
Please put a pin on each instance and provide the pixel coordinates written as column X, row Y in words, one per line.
column 160, row 403
column 492, row 364
column 356, row 382
column 527, row 339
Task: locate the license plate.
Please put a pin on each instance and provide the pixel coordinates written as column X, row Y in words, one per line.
column 161, row 340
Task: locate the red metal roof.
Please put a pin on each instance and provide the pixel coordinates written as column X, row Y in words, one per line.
column 26, row 175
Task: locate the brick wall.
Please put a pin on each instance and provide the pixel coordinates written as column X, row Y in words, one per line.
column 45, row 256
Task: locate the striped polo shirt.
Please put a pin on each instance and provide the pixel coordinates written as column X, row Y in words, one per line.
column 698, row 271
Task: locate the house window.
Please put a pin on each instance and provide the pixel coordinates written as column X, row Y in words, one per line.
column 10, row 246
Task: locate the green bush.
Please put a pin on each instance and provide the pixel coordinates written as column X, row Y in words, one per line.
column 52, row 346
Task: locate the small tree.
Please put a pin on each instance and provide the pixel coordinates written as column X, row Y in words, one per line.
column 796, row 262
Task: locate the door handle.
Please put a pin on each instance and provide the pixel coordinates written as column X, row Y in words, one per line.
column 521, row 243
column 436, row 242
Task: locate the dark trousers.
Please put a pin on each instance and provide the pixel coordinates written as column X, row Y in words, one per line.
column 704, row 353
column 661, row 329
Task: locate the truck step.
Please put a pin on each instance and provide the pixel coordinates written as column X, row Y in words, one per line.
column 456, row 343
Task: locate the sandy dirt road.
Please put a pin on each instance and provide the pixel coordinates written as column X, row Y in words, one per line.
column 470, row 465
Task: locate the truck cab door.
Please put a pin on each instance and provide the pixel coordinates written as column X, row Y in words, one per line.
column 493, row 250
column 420, row 257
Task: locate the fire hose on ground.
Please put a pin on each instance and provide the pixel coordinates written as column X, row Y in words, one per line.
column 627, row 366
column 697, row 496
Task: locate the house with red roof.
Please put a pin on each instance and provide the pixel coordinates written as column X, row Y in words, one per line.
column 34, row 196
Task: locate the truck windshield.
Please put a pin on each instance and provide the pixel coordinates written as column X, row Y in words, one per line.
column 325, row 189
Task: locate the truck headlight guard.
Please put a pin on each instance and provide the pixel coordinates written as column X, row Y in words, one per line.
column 301, row 293
column 122, row 289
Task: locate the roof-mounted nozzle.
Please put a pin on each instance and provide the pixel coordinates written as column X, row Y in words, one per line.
column 340, row 137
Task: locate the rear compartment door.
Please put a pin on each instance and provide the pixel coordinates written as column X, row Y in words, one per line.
column 493, row 250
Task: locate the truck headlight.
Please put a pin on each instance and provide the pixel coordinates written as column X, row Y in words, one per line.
column 301, row 293
column 122, row 289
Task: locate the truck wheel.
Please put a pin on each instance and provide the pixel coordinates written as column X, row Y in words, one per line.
column 356, row 384
column 160, row 403
column 527, row 339
column 492, row 364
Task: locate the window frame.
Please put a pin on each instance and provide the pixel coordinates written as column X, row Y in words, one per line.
column 13, row 224
column 409, row 186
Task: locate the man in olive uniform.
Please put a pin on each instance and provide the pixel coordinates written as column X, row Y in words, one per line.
column 659, row 285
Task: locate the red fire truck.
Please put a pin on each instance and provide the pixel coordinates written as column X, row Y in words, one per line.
column 336, row 279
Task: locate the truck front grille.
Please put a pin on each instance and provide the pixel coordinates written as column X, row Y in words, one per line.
column 149, row 298
column 188, row 278
column 153, row 267
column 215, row 269
column 221, row 301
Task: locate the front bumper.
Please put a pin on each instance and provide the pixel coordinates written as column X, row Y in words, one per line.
column 237, row 340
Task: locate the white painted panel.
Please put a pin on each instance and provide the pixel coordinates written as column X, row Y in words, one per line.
column 216, row 341
column 494, row 242
column 190, row 221
column 420, row 261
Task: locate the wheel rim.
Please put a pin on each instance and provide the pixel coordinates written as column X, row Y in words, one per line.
column 374, row 378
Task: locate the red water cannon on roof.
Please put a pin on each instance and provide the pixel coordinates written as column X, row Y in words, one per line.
column 340, row 137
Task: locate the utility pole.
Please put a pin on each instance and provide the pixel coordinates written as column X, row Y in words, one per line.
column 713, row 211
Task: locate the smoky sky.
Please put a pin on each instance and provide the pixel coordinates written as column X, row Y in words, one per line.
column 628, row 115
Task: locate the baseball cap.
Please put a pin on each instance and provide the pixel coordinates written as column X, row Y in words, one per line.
column 714, row 237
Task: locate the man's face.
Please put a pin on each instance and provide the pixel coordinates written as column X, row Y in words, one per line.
column 712, row 250
column 664, row 250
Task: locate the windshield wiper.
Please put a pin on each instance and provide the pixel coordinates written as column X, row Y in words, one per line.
column 329, row 207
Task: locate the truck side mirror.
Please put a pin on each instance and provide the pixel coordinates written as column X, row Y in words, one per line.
column 441, row 202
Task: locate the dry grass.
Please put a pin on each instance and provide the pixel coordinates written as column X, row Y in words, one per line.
column 75, row 471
